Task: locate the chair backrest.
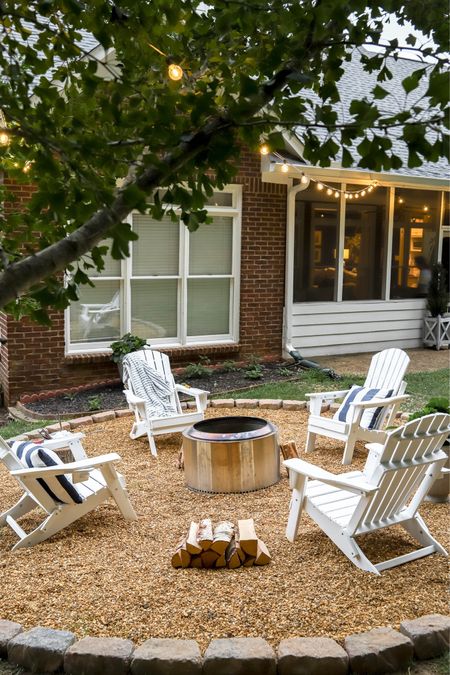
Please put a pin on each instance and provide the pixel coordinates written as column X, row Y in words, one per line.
column 405, row 469
column 387, row 370
column 7, row 457
column 161, row 363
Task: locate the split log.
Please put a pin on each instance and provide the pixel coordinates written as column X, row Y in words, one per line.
column 205, row 534
column 192, row 545
column 239, row 550
column 289, row 451
column 223, row 533
column 249, row 561
column 247, row 537
column 263, row 556
column 221, row 561
column 209, row 558
column 196, row 561
column 181, row 557
column 231, row 555
column 180, row 460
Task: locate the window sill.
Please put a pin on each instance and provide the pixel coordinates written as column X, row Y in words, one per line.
column 178, row 353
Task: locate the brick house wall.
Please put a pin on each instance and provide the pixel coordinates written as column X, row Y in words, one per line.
column 34, row 357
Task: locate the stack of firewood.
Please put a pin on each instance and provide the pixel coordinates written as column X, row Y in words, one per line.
column 221, row 546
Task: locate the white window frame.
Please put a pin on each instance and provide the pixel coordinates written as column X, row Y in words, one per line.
column 235, row 212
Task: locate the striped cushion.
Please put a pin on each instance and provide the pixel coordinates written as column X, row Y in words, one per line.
column 33, row 456
column 371, row 417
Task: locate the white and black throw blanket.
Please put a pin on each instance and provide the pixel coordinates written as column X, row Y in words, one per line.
column 150, row 385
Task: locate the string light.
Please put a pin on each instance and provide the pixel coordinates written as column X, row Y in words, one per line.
column 175, row 72
column 354, row 194
column 27, row 167
column 4, row 138
column 264, row 149
column 425, row 208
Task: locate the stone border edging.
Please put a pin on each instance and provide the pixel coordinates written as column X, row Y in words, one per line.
column 377, row 651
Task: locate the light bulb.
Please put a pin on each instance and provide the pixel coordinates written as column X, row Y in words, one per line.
column 400, row 200
column 370, row 188
column 304, row 179
column 425, row 208
column 264, row 149
column 363, row 193
column 175, row 72
column 27, row 167
column 357, row 196
column 336, row 194
column 4, row 138
column 319, row 186
column 285, row 167
column 350, row 196
column 347, row 195
column 329, row 191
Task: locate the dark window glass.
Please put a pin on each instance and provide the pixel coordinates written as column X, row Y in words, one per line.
column 364, row 243
column 415, row 241
column 316, row 230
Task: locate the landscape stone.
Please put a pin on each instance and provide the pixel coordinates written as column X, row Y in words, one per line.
column 40, row 650
column 123, row 413
column 222, row 403
column 8, row 630
column 104, row 416
column 430, row 635
column 239, row 656
column 247, row 402
column 381, row 650
column 270, row 403
column 311, row 656
column 167, row 657
column 294, row 405
column 99, row 656
column 80, row 421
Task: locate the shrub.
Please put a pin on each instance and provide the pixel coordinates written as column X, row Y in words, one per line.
column 196, row 370
column 128, row 343
column 229, row 367
column 94, row 403
column 434, row 405
column 253, row 372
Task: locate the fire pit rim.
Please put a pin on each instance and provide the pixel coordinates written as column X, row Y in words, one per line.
column 265, row 428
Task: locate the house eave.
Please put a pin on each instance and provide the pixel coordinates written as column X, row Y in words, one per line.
column 271, row 173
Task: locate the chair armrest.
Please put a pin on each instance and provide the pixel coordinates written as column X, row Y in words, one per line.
column 131, row 398
column 316, row 473
column 328, row 394
column 72, row 467
column 380, row 402
column 191, row 391
column 61, row 441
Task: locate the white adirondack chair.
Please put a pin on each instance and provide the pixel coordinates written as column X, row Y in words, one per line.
column 95, row 479
column 386, row 372
column 180, row 420
column 396, row 478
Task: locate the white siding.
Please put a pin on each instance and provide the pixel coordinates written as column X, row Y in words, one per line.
column 348, row 327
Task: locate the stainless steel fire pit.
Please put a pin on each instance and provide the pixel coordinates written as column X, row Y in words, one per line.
column 231, row 454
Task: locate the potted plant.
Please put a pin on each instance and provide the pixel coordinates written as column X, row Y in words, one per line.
column 440, row 490
column 128, row 343
column 437, row 323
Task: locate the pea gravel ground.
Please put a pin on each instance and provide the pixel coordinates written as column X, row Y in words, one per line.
column 104, row 576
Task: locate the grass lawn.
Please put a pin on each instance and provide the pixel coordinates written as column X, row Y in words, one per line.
column 17, row 427
column 421, row 387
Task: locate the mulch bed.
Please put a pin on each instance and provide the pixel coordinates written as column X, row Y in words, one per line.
column 112, row 398
column 104, row 576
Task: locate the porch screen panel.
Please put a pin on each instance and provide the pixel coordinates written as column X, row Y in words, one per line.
column 208, row 307
column 365, row 243
column 316, row 233
column 96, row 316
column 415, row 241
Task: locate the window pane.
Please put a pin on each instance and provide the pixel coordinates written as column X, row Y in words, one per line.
column 316, row 231
column 156, row 252
column 211, row 247
column 220, row 199
column 96, row 316
column 154, row 308
column 364, row 244
column 415, row 241
column 112, row 267
column 208, row 307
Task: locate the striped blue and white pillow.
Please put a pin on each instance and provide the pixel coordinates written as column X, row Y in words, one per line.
column 33, row 456
column 371, row 417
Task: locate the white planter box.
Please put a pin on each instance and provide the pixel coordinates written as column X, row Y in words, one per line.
column 437, row 331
